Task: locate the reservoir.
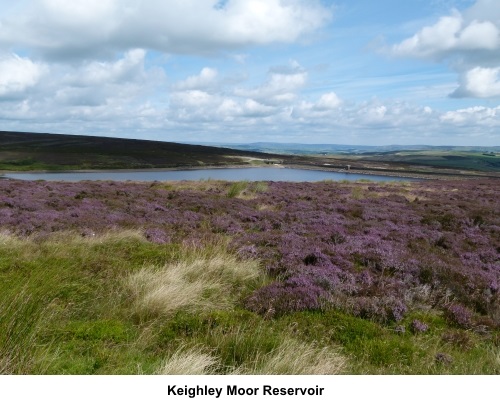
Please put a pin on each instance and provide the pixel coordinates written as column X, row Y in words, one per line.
column 250, row 174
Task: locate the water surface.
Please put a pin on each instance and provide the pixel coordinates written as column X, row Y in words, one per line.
column 251, row 174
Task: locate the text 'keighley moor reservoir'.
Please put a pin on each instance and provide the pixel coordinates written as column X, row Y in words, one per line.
column 193, row 392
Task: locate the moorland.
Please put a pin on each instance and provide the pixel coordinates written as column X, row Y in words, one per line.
column 215, row 277
column 22, row 151
column 250, row 278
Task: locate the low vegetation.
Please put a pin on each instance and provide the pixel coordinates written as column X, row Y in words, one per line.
column 253, row 278
column 22, row 151
column 80, row 306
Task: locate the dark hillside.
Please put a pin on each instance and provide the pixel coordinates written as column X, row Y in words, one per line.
column 34, row 151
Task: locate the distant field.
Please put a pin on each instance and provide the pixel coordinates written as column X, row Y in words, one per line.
column 452, row 159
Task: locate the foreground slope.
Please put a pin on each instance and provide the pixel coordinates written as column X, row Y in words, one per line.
column 106, row 277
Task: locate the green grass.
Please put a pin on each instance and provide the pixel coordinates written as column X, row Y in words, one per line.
column 376, row 349
column 80, row 306
column 32, row 165
column 73, row 305
column 245, row 189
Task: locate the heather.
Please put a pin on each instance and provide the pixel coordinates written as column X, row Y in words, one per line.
column 121, row 277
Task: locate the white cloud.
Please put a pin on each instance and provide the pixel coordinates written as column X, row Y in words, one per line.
column 78, row 14
column 193, row 105
column 127, row 69
column 375, row 114
column 102, row 83
column 191, row 98
column 229, row 109
column 479, row 35
column 473, row 116
column 432, row 41
column 205, row 79
column 325, row 110
column 479, row 82
column 17, row 74
column 281, row 86
column 469, row 40
column 253, row 108
column 218, row 113
column 76, row 98
column 86, row 28
column 328, row 101
column 280, row 82
column 451, row 34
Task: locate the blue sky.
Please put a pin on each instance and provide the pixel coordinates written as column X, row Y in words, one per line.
column 309, row 71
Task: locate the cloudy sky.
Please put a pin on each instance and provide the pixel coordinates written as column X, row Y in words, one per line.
column 310, row 71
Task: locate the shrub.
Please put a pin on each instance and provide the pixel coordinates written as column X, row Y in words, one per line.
column 458, row 315
column 417, row 326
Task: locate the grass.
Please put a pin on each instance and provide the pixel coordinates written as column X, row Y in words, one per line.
column 198, row 284
column 294, row 357
column 118, row 304
column 245, row 189
column 376, row 349
column 75, row 305
column 193, row 361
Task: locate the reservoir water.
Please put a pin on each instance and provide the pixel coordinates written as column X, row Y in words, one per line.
column 250, row 174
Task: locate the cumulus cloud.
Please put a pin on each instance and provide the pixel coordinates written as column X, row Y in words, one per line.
column 479, row 82
column 207, row 78
column 86, row 28
column 87, row 67
column 469, row 40
column 100, row 83
column 451, row 34
column 17, row 74
column 328, row 101
column 192, row 98
column 76, row 98
column 281, row 86
column 217, row 112
column 129, row 68
column 478, row 115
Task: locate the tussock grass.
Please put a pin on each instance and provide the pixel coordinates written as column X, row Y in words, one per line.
column 245, row 189
column 189, row 361
column 292, row 357
column 203, row 185
column 66, row 304
column 236, row 188
column 253, row 350
column 199, row 284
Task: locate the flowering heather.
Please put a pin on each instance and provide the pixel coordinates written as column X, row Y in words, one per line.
column 418, row 326
column 374, row 250
column 459, row 315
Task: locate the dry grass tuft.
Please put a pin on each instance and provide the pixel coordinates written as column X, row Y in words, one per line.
column 296, row 358
column 193, row 361
column 198, row 284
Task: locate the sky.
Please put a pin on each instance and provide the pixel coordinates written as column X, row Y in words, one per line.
column 357, row 72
